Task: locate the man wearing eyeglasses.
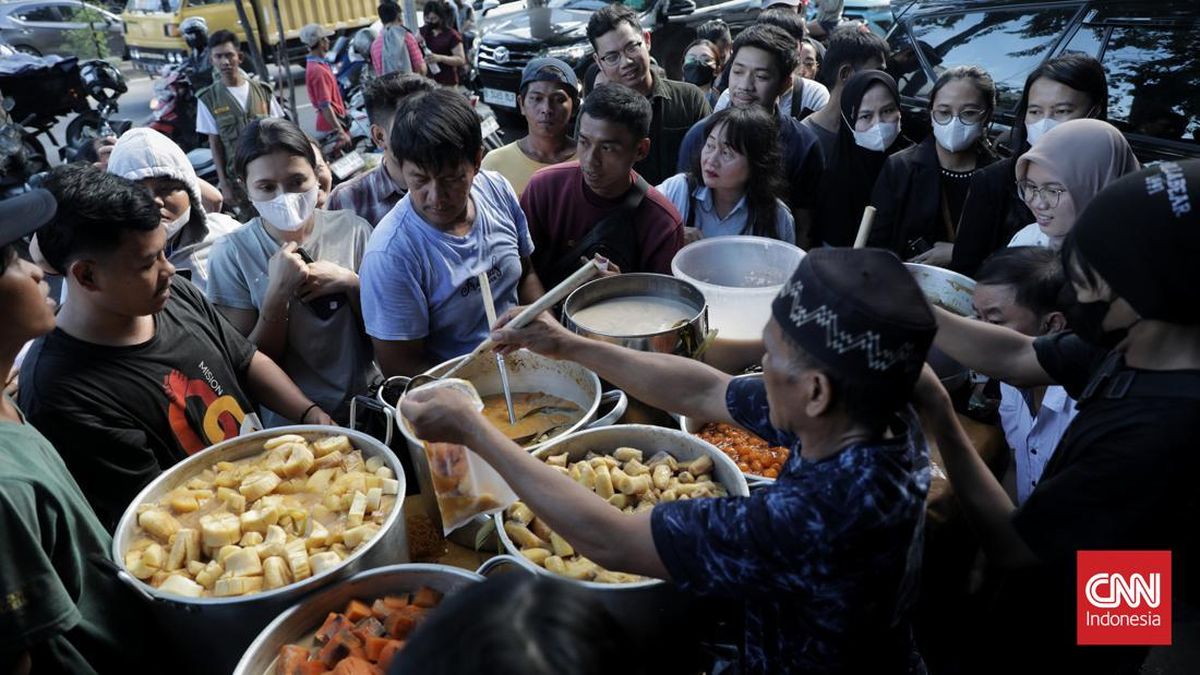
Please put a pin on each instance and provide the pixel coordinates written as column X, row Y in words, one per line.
column 622, row 51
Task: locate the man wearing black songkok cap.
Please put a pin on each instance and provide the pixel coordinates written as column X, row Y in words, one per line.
column 825, row 559
column 1123, row 476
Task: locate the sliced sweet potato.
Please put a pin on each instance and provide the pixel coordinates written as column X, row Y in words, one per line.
column 333, row 623
column 344, row 644
column 369, row 627
column 291, row 660
column 313, row 668
column 380, row 609
column 399, row 624
column 426, row 597
column 396, row 601
column 356, row 665
column 388, row 654
column 373, row 647
column 357, row 611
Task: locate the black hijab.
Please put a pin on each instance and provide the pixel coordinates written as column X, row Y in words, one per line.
column 850, row 173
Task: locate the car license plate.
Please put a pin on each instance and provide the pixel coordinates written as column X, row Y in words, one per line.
column 345, row 166
column 499, row 97
column 489, row 126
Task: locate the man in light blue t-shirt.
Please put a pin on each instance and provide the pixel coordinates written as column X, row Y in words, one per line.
column 420, row 297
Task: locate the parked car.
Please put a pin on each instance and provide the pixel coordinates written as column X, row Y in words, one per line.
column 1147, row 47
column 876, row 14
column 514, row 33
column 44, row 27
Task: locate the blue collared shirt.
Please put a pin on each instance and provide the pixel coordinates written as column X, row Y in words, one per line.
column 1033, row 438
column 709, row 222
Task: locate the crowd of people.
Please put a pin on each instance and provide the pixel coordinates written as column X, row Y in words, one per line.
column 190, row 313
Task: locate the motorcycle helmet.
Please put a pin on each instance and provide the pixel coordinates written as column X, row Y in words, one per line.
column 361, row 44
column 99, row 78
column 195, row 32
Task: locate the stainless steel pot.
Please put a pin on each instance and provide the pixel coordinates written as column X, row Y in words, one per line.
column 527, row 372
column 944, row 288
column 685, row 340
column 643, row 605
column 303, row 619
column 210, row 633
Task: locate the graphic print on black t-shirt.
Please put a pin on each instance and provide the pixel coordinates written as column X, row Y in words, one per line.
column 205, row 399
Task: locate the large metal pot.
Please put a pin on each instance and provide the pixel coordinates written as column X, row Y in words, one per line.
column 644, row 605
column 210, row 633
column 946, row 289
column 527, row 372
column 303, row 619
column 685, row 340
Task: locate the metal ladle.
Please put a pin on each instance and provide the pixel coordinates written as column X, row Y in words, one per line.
column 489, row 307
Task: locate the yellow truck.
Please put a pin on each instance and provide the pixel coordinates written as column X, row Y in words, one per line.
column 152, row 26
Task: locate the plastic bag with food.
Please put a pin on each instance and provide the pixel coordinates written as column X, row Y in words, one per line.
column 464, row 484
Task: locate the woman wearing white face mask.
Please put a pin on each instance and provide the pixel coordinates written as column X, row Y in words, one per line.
column 1067, row 87
column 155, row 161
column 870, row 110
column 287, row 279
column 920, row 192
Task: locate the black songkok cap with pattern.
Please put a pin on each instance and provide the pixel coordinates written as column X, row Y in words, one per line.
column 861, row 314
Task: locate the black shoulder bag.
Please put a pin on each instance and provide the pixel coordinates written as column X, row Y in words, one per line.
column 613, row 237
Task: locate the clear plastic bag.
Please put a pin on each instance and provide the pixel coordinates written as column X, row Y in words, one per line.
column 465, row 485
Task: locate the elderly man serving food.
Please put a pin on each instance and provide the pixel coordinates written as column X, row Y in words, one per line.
column 826, row 558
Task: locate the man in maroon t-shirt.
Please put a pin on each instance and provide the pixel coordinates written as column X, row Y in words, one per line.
column 564, row 202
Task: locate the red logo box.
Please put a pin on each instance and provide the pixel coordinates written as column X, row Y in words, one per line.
column 1123, row 598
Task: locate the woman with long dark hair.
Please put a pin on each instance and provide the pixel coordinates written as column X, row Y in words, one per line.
column 1067, row 87
column 732, row 185
column 444, row 43
column 870, row 129
column 920, row 193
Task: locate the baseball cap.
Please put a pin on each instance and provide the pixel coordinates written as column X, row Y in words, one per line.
column 547, row 69
column 312, row 33
column 24, row 214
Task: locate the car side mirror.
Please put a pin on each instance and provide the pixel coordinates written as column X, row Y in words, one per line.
column 676, row 8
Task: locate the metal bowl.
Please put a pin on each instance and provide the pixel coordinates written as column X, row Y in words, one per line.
column 949, row 290
column 685, row 339
column 643, row 604
column 299, row 622
column 197, row 624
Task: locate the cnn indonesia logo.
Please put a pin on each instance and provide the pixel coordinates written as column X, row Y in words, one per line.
column 1123, row 598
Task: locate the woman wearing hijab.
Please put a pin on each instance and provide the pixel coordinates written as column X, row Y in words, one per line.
column 1071, row 86
column 1063, row 172
column 870, row 109
column 155, row 161
column 920, row 193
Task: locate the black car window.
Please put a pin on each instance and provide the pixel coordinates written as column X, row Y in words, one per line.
column 1153, row 77
column 1008, row 44
column 45, row 13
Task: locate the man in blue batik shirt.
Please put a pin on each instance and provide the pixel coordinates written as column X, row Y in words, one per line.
column 825, row 559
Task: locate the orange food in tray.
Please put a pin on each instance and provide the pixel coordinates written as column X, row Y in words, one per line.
column 362, row 640
column 752, row 454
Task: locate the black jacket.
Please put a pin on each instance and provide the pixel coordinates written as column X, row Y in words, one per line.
column 908, row 199
column 991, row 216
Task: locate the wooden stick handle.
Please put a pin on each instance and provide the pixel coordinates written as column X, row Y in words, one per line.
column 552, row 297
column 864, row 228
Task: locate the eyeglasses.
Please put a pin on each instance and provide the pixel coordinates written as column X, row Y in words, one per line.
column 969, row 117
column 1049, row 194
column 631, row 50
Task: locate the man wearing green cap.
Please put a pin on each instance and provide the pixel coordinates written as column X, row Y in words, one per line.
column 1123, row 476
column 826, row 558
column 60, row 610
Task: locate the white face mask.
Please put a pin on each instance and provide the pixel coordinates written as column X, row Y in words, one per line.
column 289, row 211
column 1039, row 128
column 178, row 224
column 955, row 136
column 879, row 137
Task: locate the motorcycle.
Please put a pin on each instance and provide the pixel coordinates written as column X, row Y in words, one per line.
column 98, row 78
column 22, row 158
column 350, row 59
column 173, row 107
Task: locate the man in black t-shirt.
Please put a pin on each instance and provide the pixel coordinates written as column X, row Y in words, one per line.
column 141, row 371
column 1123, row 476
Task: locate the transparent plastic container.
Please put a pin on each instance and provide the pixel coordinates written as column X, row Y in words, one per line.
column 739, row 276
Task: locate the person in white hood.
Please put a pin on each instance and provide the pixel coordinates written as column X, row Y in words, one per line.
column 155, row 161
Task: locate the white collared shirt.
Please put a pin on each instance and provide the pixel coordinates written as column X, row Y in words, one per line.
column 1030, row 235
column 1033, row 438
